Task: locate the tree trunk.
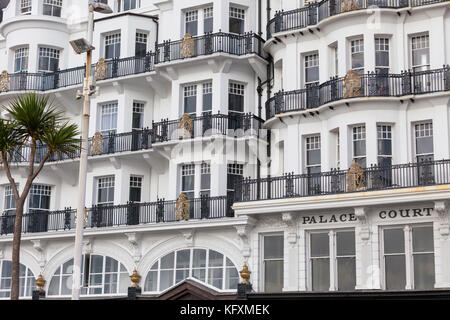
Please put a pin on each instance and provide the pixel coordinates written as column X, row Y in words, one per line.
column 15, row 281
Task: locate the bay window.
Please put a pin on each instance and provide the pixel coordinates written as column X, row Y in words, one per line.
column 21, row 60
column 332, row 260
column 408, row 257
column 357, row 55
column 237, row 20
column 25, row 6
column 52, row 8
column 359, row 145
column 48, row 59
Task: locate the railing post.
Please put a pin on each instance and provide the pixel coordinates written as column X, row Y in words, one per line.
column 111, row 142
column 68, row 218
column 446, row 77
column 115, row 66
column 204, row 207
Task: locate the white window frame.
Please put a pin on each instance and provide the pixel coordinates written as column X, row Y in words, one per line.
column 121, row 6
column 425, row 130
column 262, row 259
column 332, row 256
column 383, row 44
column 387, row 133
column 409, row 261
column 108, row 183
column 363, row 132
column 424, row 43
column 237, row 12
column 29, row 277
column 22, row 53
column 356, row 47
column 113, row 39
column 53, row 4
column 310, row 60
column 25, row 7
column 108, row 109
column 48, row 53
column 312, row 142
column 191, row 268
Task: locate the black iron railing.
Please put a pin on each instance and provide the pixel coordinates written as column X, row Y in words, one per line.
column 237, row 125
column 110, row 143
column 367, row 85
column 313, row 13
column 344, row 181
column 120, row 215
column 24, row 81
column 248, row 43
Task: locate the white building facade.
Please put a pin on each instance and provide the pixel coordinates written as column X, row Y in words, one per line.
column 310, row 141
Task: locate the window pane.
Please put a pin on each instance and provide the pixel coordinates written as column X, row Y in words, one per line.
column 320, row 246
column 183, row 258
column 395, row 272
column 423, row 239
column 384, row 147
column 424, row 145
column 199, row 258
column 208, row 25
column 359, row 148
column 181, row 275
column 232, row 278
column 167, row 262
column 236, row 26
column 313, row 157
column 345, row 243
column 96, row 264
column 320, row 274
column 199, row 274
column 273, row 276
column 273, row 247
column 423, row 271
column 166, row 280
column 394, row 241
column 215, row 277
column 215, row 259
column 151, row 281
column 346, row 268
column 190, row 104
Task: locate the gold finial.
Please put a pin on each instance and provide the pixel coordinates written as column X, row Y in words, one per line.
column 40, row 283
column 245, row 274
column 135, row 278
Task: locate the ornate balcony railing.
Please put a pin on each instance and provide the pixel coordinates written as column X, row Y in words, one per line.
column 355, row 179
column 354, row 86
column 313, row 13
column 130, row 214
column 189, row 127
column 24, row 81
column 98, row 145
column 189, row 47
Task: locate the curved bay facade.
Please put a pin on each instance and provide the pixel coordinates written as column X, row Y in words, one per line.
column 310, row 141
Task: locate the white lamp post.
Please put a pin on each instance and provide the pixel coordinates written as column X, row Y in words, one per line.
column 81, row 46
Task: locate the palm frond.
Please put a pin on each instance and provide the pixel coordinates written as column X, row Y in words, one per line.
column 62, row 139
column 10, row 139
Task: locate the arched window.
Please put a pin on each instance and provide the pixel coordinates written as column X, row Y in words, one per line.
column 208, row 266
column 107, row 276
column 27, row 280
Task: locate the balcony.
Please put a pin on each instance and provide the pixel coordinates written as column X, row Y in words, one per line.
column 354, row 86
column 24, row 81
column 190, row 47
column 316, row 12
column 428, row 173
column 98, row 145
column 205, row 126
column 130, row 214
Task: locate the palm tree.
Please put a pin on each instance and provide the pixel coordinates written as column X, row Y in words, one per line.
column 32, row 122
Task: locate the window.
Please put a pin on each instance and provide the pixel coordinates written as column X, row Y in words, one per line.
column 48, row 60
column 25, row 6
column 188, row 180
column 237, row 19
column 420, row 52
column 10, row 201
column 236, row 93
column 135, row 188
column 107, row 276
column 39, row 198
column 329, row 251
column 125, row 5
column 399, row 251
column 205, row 265
column 141, row 44
column 190, row 99
column 336, row 61
column 105, row 191
column 138, row 116
column 273, row 262
column 424, row 141
column 311, row 69
column 357, row 55
column 27, row 282
column 52, row 8
column 208, row 20
column 207, row 97
column 382, row 55
column 205, row 179
column 313, row 154
column 235, row 172
column 359, row 145
column 384, row 133
column 109, row 118
column 112, row 46
column 338, row 150
column 21, row 60
column 192, row 22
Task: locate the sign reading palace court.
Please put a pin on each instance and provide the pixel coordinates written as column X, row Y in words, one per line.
column 385, row 214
